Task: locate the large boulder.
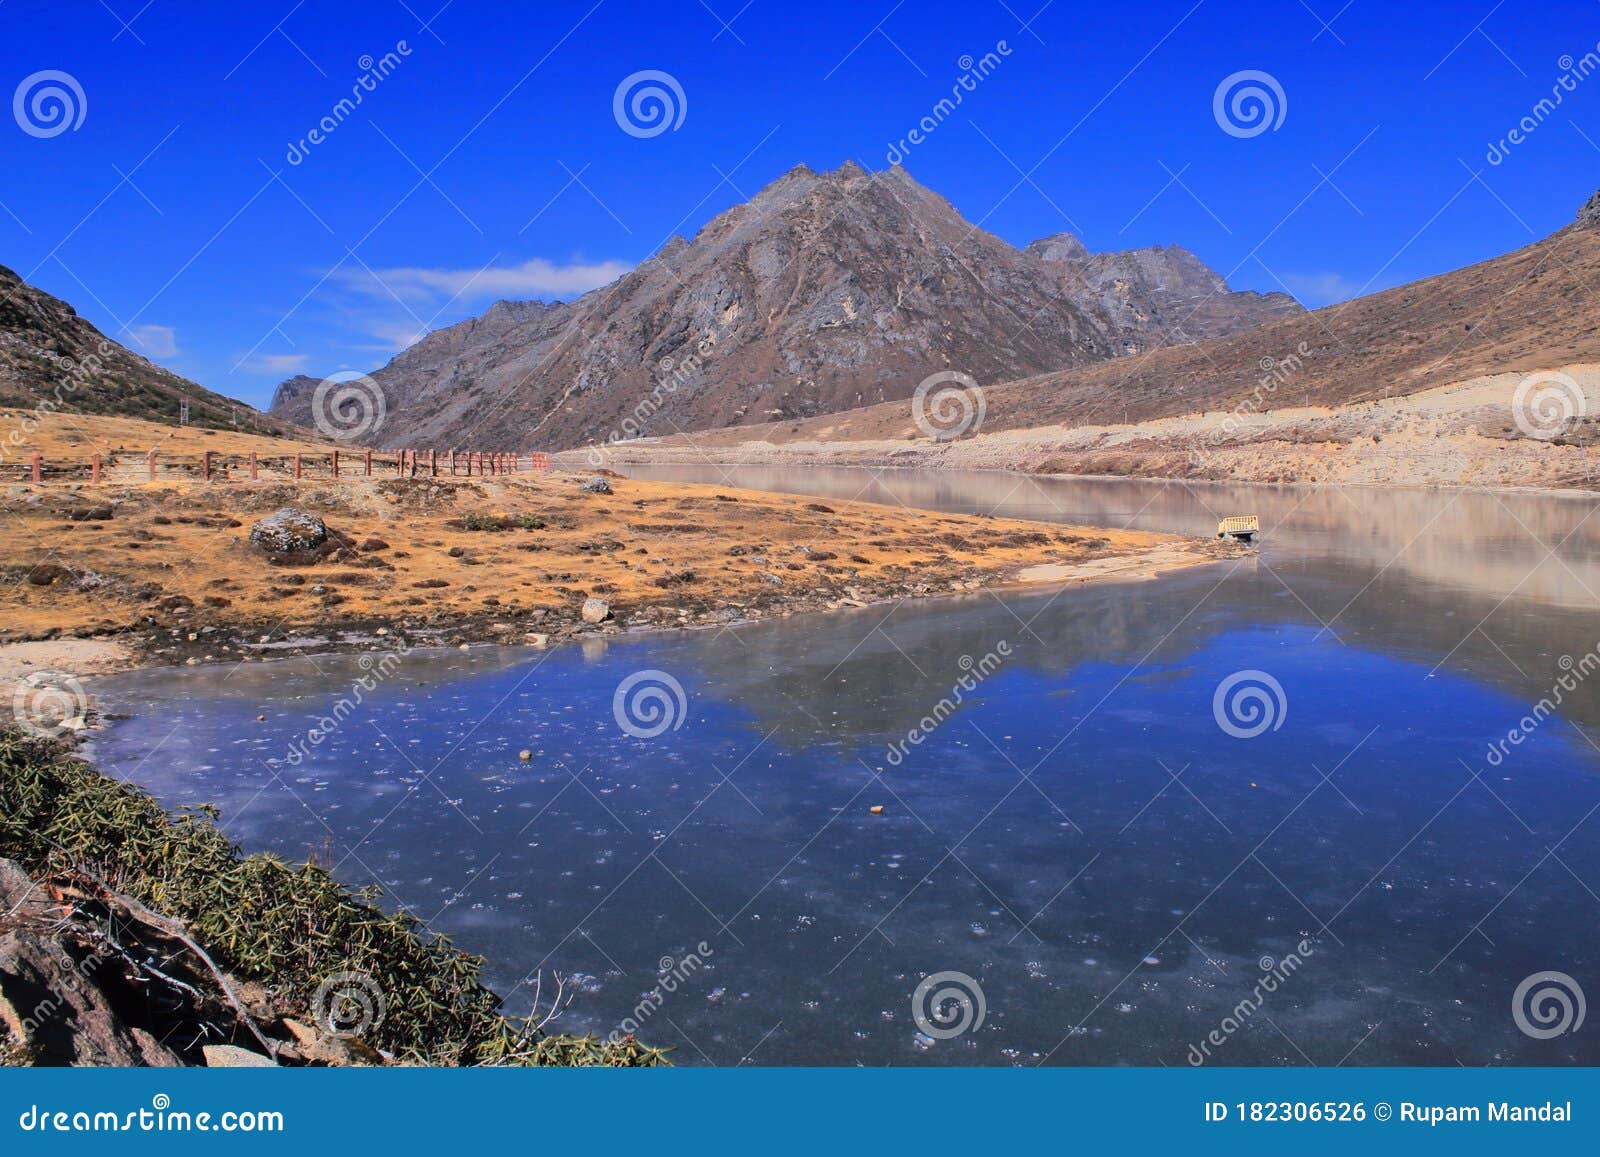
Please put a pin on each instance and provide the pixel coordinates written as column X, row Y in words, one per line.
column 292, row 535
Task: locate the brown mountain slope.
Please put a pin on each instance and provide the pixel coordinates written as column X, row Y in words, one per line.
column 53, row 359
column 1531, row 309
column 823, row 292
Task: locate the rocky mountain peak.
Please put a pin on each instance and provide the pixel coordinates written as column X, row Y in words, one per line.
column 825, row 291
column 1058, row 247
column 1589, row 215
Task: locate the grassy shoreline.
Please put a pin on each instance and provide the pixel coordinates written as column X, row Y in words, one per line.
column 105, row 855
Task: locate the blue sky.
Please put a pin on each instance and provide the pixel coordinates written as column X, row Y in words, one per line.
column 488, row 161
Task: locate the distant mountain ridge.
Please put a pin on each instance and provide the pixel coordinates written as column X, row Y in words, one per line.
column 51, row 356
column 1484, row 375
column 824, row 292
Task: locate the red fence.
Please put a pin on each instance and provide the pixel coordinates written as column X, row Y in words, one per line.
column 212, row 466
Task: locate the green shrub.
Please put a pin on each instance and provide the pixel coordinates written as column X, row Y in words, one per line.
column 288, row 926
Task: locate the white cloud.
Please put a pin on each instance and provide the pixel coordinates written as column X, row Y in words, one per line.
column 156, row 341
column 397, row 336
column 275, row 364
column 1316, row 289
column 533, row 278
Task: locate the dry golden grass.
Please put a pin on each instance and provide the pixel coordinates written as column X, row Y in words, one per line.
column 170, row 557
column 75, row 437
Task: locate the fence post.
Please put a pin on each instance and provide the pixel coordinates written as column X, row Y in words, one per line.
column 38, row 468
column 253, row 472
column 433, row 463
column 336, row 464
column 151, row 461
column 400, row 465
column 205, row 466
column 369, row 463
column 94, row 468
column 297, row 467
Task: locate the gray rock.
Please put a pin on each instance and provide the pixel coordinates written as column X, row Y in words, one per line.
column 234, row 1057
column 1589, row 215
column 290, row 532
column 595, row 610
column 596, row 485
column 49, row 1001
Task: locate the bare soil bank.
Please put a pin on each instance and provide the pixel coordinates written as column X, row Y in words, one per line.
column 1462, row 434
